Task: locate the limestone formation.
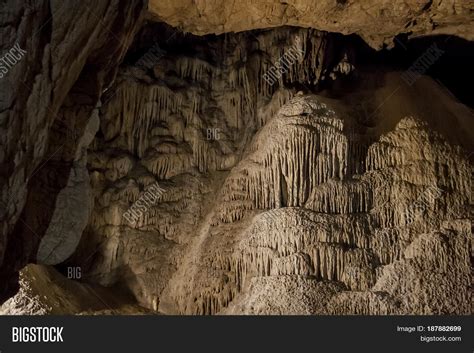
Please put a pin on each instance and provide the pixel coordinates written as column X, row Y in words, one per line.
column 349, row 230
column 261, row 164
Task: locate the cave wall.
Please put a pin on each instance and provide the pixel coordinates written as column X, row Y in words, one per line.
column 157, row 126
column 295, row 194
column 267, row 199
column 72, row 52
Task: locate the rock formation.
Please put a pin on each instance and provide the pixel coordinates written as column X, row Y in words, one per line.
column 44, row 291
column 72, row 53
column 278, row 170
column 378, row 22
column 294, row 225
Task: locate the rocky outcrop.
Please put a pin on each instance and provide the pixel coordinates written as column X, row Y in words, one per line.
column 44, row 291
column 378, row 22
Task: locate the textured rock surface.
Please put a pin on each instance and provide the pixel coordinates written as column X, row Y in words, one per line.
column 248, row 195
column 301, row 197
column 351, row 230
column 72, row 52
column 73, row 206
column 44, row 291
column 157, row 127
column 378, row 22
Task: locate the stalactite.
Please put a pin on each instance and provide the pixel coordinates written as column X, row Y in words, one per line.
column 138, row 107
column 193, row 68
